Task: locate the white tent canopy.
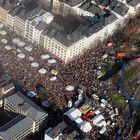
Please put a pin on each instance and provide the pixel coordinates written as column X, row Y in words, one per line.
column 31, row 94
column 21, row 55
column 45, row 56
column 8, row 47
column 28, row 48
column 42, row 71
column 34, row 64
column 51, row 61
column 69, row 88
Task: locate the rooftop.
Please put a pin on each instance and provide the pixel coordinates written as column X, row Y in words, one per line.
column 9, row 130
column 28, row 107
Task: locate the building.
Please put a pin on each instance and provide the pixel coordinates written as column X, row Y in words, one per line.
column 30, row 119
column 36, row 24
column 6, row 88
column 25, row 11
column 61, row 131
column 90, row 22
column 5, row 7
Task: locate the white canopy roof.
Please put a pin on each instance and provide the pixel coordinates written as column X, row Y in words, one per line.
column 85, row 126
column 34, row 64
column 4, row 41
column 21, row 55
column 42, row 71
column 51, row 61
column 28, row 48
column 45, row 56
column 8, row 47
column 46, row 103
column 73, row 113
column 69, row 88
column 53, row 78
column 31, row 94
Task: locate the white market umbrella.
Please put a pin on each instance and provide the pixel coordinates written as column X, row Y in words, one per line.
column 19, row 50
column 3, row 32
column 28, row 48
column 42, row 71
column 105, row 56
column 31, row 94
column 8, row 47
column 45, row 56
column 16, row 40
column 46, row 103
column 69, row 88
column 1, row 25
column 51, row 61
column 31, row 58
column 4, row 41
column 21, row 44
column 21, row 55
column 34, row 64
column 54, row 72
column 53, row 78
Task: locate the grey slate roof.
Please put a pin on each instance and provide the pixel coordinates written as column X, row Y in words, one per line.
column 14, row 127
column 31, row 109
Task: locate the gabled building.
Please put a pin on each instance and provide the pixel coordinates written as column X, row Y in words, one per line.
column 30, row 119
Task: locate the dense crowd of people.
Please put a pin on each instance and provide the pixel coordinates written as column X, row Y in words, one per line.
column 83, row 70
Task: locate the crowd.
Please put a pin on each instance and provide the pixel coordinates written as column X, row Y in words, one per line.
column 81, row 71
